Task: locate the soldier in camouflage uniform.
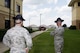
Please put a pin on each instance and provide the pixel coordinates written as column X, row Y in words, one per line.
column 58, row 36
column 18, row 38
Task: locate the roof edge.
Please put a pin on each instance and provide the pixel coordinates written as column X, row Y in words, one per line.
column 72, row 2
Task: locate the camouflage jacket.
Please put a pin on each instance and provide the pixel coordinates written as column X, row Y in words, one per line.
column 58, row 33
column 17, row 39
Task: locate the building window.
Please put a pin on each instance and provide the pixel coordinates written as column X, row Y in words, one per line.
column 7, row 3
column 7, row 24
column 18, row 8
column 79, row 25
column 78, row 3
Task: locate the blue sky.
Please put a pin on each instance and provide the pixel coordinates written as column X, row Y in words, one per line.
column 50, row 10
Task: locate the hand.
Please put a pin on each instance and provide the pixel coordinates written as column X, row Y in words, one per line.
column 27, row 50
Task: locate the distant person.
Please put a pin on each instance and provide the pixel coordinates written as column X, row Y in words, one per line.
column 58, row 36
column 18, row 38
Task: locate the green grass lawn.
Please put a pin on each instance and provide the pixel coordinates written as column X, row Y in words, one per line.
column 44, row 42
column 51, row 29
column 72, row 41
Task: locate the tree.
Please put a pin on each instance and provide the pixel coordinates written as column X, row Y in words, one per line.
column 64, row 25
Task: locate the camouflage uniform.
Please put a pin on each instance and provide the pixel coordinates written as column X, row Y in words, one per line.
column 58, row 39
column 17, row 39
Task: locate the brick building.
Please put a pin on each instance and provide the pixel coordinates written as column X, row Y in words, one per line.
column 75, row 4
column 9, row 9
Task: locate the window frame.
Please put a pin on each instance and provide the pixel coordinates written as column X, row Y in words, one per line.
column 18, row 8
column 8, row 3
column 79, row 4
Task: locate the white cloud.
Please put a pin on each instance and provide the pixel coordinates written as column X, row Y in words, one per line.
column 63, row 9
column 67, row 20
column 48, row 19
column 32, row 6
column 35, row 15
column 38, row 11
column 53, row 1
column 39, row 2
column 49, row 14
column 45, row 10
column 68, row 1
column 34, row 2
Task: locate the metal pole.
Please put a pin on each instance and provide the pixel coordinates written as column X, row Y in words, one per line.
column 40, row 19
column 10, row 14
column 29, row 21
column 14, row 9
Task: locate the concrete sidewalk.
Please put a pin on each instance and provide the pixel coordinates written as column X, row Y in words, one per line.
column 4, row 48
column 36, row 33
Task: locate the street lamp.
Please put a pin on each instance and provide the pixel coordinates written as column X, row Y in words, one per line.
column 29, row 21
column 40, row 19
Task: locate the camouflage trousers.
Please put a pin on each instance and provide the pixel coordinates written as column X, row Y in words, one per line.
column 58, row 46
column 17, row 50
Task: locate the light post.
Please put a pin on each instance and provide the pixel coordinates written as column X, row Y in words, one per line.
column 40, row 19
column 29, row 21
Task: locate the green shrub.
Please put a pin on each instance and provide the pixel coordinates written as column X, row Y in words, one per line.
column 7, row 51
column 72, row 27
column 29, row 29
column 64, row 25
column 2, row 33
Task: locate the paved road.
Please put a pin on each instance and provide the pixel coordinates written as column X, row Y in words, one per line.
column 4, row 48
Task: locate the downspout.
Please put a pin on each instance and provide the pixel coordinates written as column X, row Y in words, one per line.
column 10, row 15
column 14, row 10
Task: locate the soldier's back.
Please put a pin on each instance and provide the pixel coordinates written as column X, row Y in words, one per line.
column 16, row 35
